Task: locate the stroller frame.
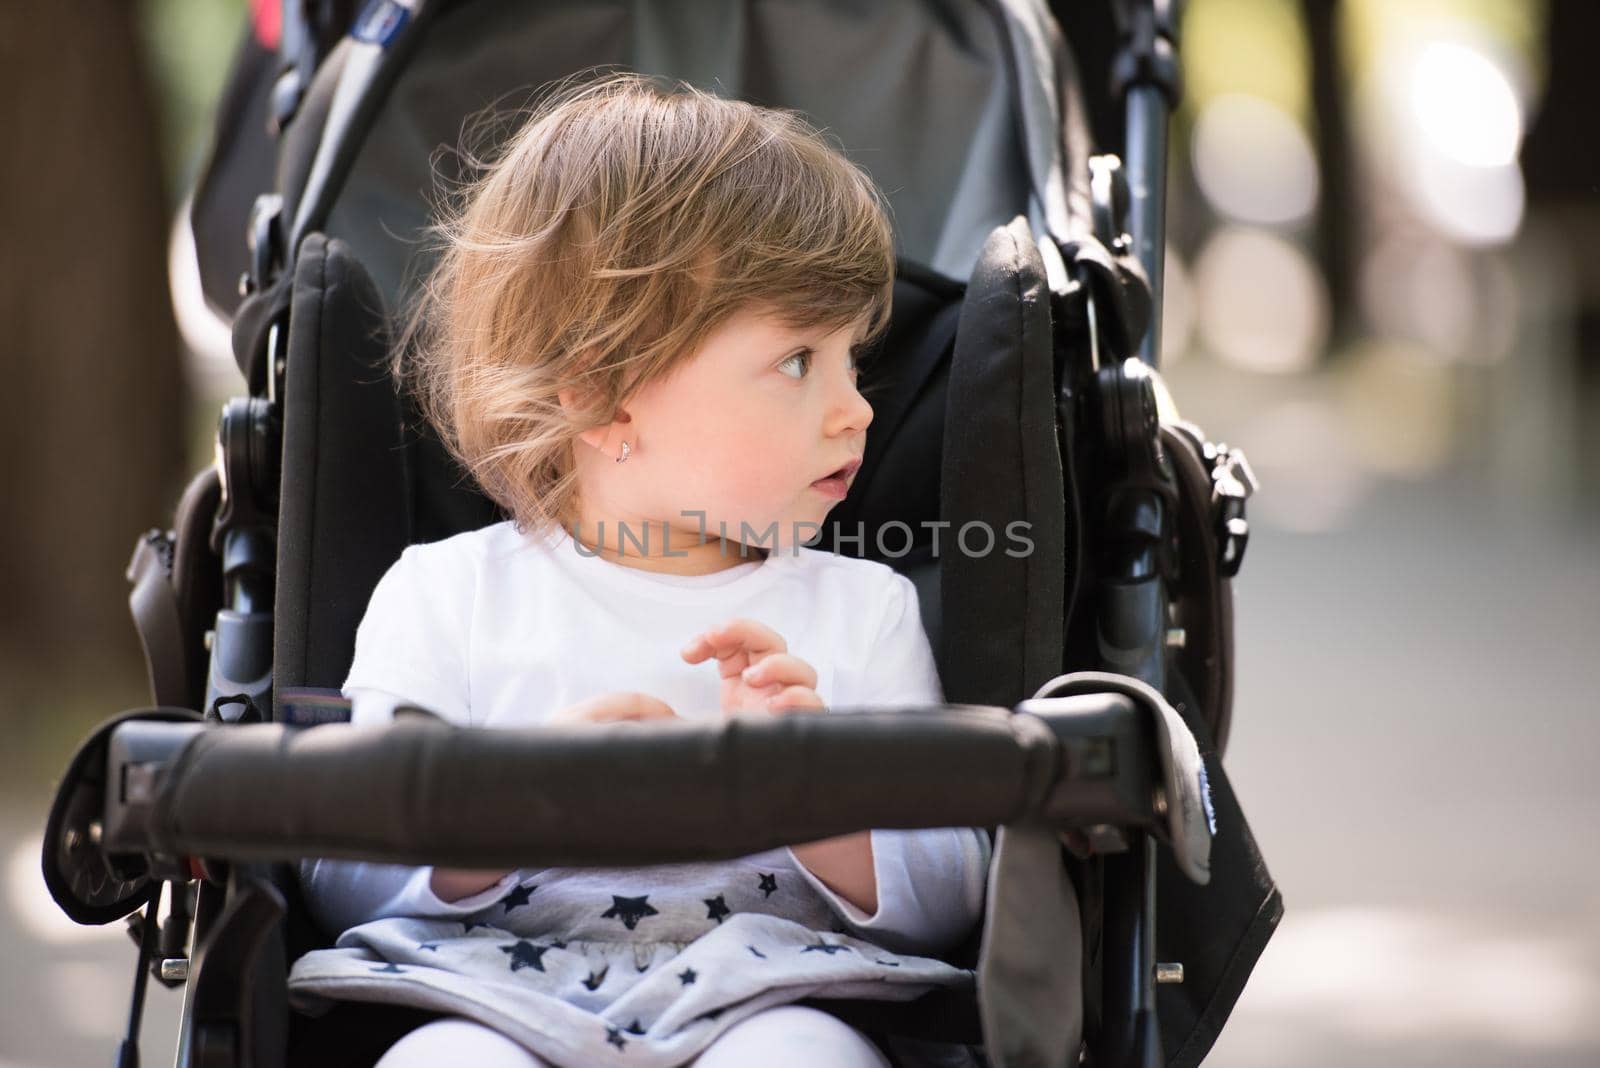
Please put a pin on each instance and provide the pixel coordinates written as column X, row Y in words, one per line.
column 1150, row 471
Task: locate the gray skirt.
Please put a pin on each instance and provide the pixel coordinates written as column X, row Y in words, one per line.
column 637, row 966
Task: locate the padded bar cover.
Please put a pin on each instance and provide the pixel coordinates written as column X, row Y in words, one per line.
column 648, row 792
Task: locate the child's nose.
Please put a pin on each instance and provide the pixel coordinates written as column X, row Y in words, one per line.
column 850, row 411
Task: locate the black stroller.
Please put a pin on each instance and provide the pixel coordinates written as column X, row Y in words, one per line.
column 1089, row 680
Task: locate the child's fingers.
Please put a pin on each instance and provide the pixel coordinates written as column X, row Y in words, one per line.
column 611, row 707
column 796, row 699
column 736, row 636
column 697, row 649
column 643, row 706
column 785, row 668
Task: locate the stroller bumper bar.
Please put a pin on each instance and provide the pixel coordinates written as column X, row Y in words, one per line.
column 424, row 792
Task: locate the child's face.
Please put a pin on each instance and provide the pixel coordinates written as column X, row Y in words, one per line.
column 746, row 430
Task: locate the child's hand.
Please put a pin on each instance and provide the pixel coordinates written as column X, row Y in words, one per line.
column 758, row 672
column 611, row 707
column 453, row 884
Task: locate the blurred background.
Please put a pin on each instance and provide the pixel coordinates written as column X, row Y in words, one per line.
column 1380, row 284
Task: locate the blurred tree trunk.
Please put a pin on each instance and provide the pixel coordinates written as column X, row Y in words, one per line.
column 1561, row 156
column 1336, row 216
column 1561, row 164
column 90, row 364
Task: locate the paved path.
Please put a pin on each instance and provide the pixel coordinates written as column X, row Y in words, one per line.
column 1415, row 744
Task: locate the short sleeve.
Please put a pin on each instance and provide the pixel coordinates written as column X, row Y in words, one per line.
column 342, row 894
column 930, row 888
column 899, row 669
column 414, row 638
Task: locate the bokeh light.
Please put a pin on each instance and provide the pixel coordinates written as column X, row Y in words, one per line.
column 1177, row 308
column 1443, row 124
column 1253, row 161
column 1262, row 306
column 1456, row 305
column 1465, row 106
column 1303, row 450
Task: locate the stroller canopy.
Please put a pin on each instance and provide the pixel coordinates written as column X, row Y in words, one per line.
column 956, row 108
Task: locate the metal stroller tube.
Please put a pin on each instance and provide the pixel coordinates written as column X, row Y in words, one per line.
column 1133, row 598
column 1147, row 78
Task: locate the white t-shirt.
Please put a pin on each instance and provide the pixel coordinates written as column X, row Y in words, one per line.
column 493, row 628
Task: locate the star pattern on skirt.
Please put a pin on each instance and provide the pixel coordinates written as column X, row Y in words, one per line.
column 819, row 946
column 630, row 910
column 519, row 897
column 525, row 954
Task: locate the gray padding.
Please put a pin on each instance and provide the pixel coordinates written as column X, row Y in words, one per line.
column 1030, row 967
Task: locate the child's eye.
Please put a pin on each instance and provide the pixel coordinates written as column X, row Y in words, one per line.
column 801, row 359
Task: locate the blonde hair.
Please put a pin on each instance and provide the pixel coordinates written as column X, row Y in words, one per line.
column 620, row 226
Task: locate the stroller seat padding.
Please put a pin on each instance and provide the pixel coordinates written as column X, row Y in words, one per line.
column 346, row 517
column 1002, row 467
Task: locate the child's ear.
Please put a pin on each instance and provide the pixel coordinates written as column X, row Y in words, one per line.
column 595, row 437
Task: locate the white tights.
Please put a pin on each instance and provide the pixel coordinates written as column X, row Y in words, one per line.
column 789, row 1036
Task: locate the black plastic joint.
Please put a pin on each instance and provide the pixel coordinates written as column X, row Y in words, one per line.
column 1148, row 53
column 1155, row 66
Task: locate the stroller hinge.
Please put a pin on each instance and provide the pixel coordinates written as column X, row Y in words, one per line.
column 249, row 442
column 1148, row 55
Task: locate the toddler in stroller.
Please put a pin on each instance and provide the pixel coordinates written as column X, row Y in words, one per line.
column 644, row 330
column 1005, row 394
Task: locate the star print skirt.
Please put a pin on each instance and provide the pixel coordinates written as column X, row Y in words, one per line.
column 638, row 966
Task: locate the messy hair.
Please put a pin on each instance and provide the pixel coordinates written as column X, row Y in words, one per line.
column 618, row 227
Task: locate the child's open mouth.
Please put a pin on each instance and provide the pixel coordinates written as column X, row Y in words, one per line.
column 837, row 484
